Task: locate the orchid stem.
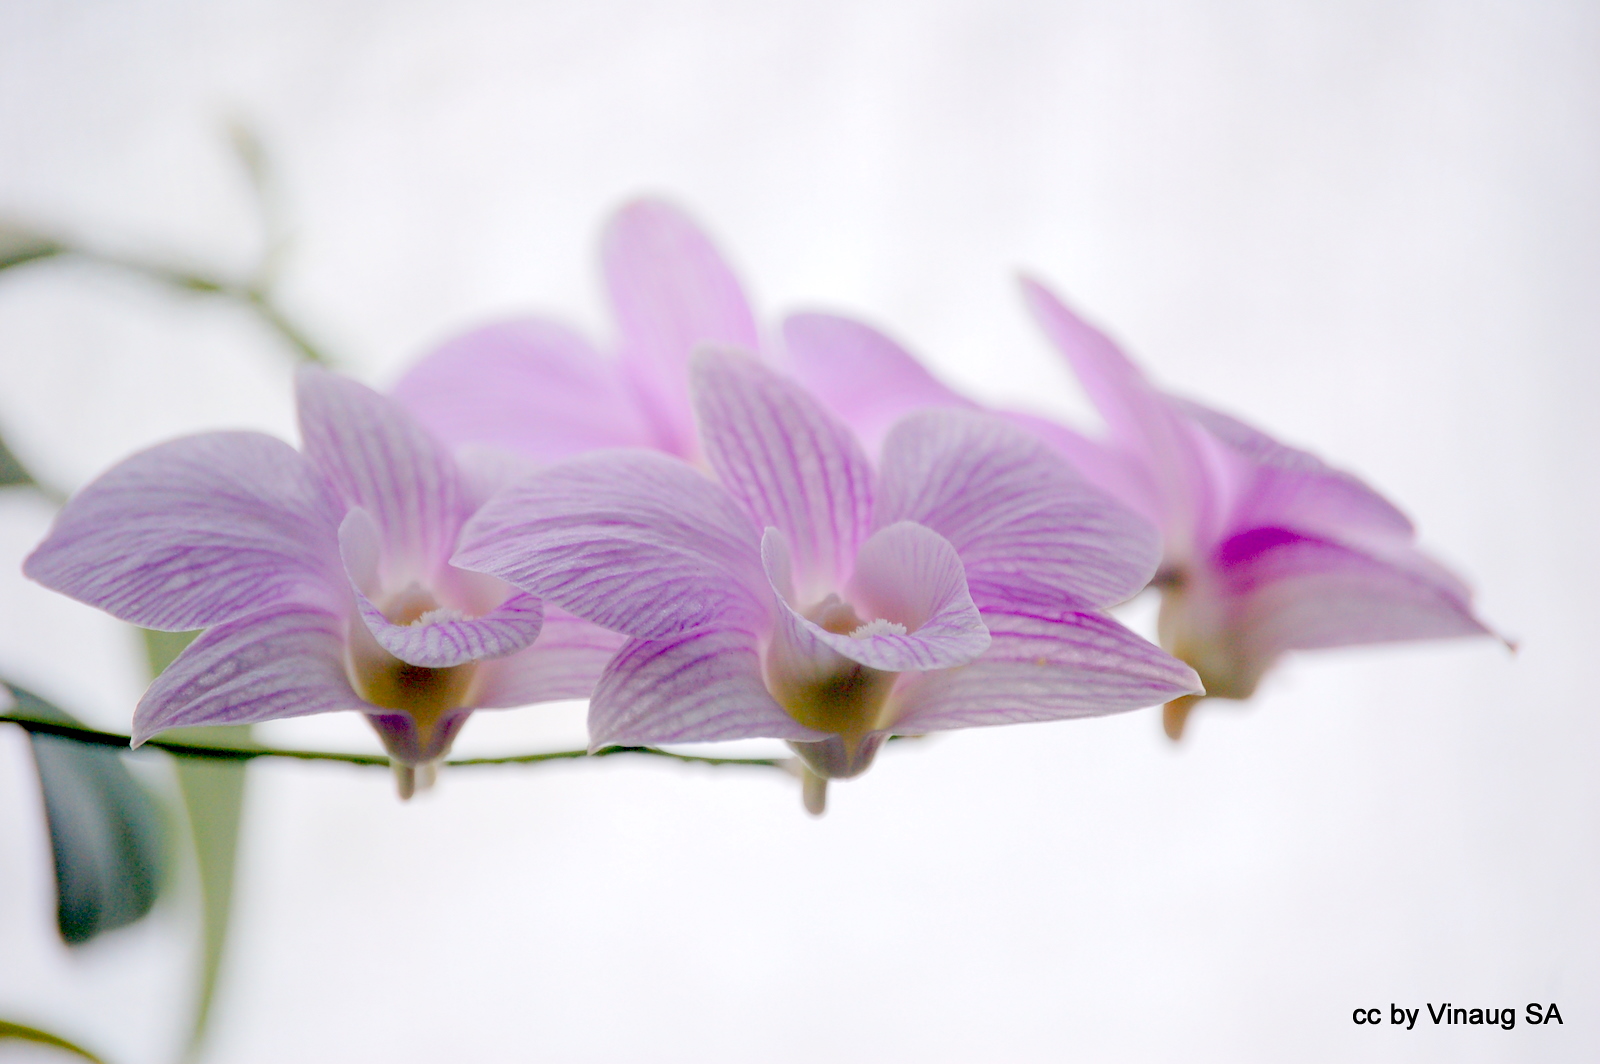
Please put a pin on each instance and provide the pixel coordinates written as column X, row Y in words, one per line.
column 249, row 753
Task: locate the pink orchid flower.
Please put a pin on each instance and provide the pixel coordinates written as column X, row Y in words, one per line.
column 805, row 596
column 321, row 578
column 1266, row 549
column 534, row 387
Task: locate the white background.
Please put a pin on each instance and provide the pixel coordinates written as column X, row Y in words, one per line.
column 1370, row 228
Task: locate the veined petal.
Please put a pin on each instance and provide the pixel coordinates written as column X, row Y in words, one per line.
column 634, row 541
column 1080, row 665
column 670, row 291
column 195, row 532
column 380, row 459
column 287, row 661
column 441, row 638
column 1140, row 419
column 792, row 465
column 906, row 575
column 533, row 387
column 1031, row 534
column 565, row 662
column 698, row 687
column 1115, row 472
column 1280, row 486
column 1296, row 592
column 866, row 378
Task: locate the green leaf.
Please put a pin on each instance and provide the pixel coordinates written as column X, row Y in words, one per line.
column 11, row 470
column 18, row 1032
column 19, row 244
column 105, row 829
column 213, row 796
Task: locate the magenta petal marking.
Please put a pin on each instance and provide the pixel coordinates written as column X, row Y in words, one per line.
column 1292, row 591
column 195, row 532
column 670, row 291
column 866, row 378
column 533, row 387
column 1280, row 485
column 788, row 460
column 283, row 662
column 698, row 687
column 1081, row 665
column 634, row 541
column 906, row 575
column 1031, row 535
column 566, row 662
column 378, row 458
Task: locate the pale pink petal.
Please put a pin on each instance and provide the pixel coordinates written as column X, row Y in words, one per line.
column 1115, row 472
column 565, row 662
column 1277, row 485
column 1081, row 665
column 1294, row 592
column 866, row 378
column 1031, row 534
column 283, row 662
column 1141, row 420
column 533, row 387
column 788, row 460
column 635, row 541
column 698, row 687
column 195, row 532
column 377, row 457
column 908, row 576
column 670, row 292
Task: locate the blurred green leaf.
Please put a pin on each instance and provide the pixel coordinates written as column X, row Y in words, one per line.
column 20, row 1033
column 213, row 796
column 105, row 829
column 11, row 470
column 19, row 244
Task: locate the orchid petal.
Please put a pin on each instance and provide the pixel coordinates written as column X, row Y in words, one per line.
column 533, row 387
column 634, row 541
column 1113, row 471
column 1296, row 592
column 1080, row 665
column 1030, row 533
column 1289, row 488
column 377, row 457
column 788, row 460
column 670, row 291
column 196, row 532
column 1141, row 420
column 437, row 640
column 700, row 687
column 906, row 575
column 866, row 378
column 287, row 661
column 565, row 662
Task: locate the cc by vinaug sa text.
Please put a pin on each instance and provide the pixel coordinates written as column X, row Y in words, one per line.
column 1535, row 1015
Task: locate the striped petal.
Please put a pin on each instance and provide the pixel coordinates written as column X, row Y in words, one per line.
column 196, row 532
column 284, row 662
column 790, row 462
column 1031, row 534
column 698, row 687
column 634, row 541
column 1080, row 665
column 378, row 458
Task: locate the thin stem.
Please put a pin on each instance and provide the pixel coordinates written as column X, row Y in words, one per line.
column 247, row 753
